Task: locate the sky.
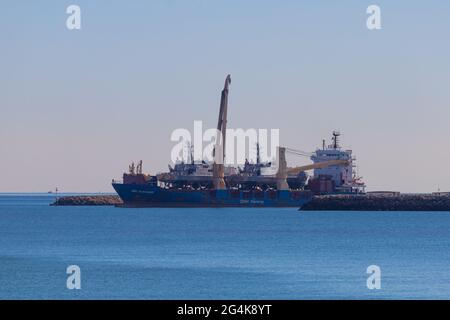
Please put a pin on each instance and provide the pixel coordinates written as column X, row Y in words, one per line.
column 77, row 106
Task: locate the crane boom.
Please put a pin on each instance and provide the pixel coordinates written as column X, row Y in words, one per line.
column 219, row 149
column 318, row 165
column 222, row 121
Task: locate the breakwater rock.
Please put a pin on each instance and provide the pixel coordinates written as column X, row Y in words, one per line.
column 91, row 200
column 403, row 202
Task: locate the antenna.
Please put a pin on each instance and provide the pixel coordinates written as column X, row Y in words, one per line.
column 190, row 149
column 335, row 139
column 258, row 160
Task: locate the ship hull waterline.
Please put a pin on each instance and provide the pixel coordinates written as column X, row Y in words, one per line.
column 138, row 196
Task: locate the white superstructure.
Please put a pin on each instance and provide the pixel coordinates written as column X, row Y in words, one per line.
column 343, row 176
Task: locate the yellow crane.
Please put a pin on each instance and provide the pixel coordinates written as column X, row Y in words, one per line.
column 319, row 165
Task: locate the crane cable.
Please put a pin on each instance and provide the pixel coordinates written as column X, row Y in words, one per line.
column 298, row 152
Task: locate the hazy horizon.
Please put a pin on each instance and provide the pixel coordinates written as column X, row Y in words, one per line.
column 78, row 106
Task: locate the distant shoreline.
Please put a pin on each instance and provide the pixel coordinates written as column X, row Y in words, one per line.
column 381, row 202
column 88, row 200
column 400, row 202
column 54, row 193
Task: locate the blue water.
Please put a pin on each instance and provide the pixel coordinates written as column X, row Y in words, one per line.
column 221, row 253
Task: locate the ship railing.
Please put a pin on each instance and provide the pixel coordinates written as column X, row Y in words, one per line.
column 117, row 181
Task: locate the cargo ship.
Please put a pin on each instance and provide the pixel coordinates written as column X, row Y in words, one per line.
column 193, row 190
column 151, row 195
column 201, row 184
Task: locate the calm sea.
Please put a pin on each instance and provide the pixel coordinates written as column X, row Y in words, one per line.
column 219, row 253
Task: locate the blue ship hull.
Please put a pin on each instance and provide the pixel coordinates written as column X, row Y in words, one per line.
column 150, row 195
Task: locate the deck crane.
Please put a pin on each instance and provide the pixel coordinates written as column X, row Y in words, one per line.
column 219, row 149
column 324, row 164
column 319, row 165
column 283, row 171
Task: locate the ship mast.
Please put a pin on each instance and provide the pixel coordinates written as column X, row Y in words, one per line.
column 258, row 159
